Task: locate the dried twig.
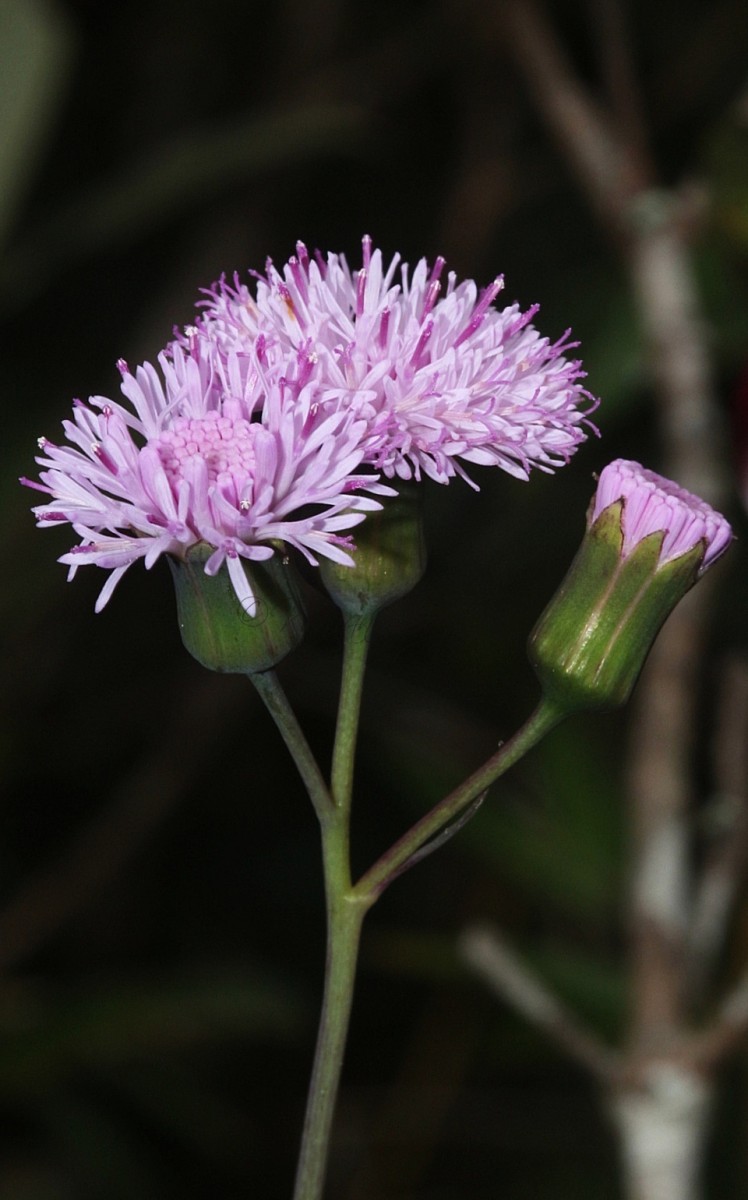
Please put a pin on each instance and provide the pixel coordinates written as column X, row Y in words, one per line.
column 622, row 87
column 729, row 1026
column 581, row 126
column 487, row 953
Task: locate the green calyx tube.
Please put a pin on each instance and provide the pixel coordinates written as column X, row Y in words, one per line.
column 592, row 640
column 390, row 557
column 218, row 631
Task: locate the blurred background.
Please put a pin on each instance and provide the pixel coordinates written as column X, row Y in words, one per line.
column 161, row 917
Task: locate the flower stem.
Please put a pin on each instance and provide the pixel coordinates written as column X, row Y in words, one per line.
column 347, row 905
column 399, row 857
column 358, row 630
column 345, row 913
column 275, row 700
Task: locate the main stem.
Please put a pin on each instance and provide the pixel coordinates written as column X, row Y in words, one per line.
column 346, row 905
column 345, row 914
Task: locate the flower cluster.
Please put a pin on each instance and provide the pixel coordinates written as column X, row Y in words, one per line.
column 274, row 418
column 439, row 378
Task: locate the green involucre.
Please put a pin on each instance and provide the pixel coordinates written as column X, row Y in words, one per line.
column 221, row 634
column 592, row 640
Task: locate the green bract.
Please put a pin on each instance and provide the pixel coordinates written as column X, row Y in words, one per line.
column 593, row 638
column 390, row 557
column 215, row 628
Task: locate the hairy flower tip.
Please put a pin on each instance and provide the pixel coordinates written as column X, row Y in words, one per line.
column 440, row 374
column 207, row 451
column 653, row 504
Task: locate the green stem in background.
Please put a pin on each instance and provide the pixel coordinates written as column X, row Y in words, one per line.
column 358, row 630
column 275, row 700
column 410, row 846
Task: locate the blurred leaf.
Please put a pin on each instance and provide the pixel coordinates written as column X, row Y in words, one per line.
column 35, row 54
column 589, row 984
column 101, row 1155
column 178, row 1103
column 724, row 293
column 412, row 954
column 557, row 833
column 104, row 1025
column 727, row 169
column 25, row 1180
column 614, row 351
column 561, row 839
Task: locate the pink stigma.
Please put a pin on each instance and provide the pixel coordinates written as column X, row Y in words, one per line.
column 360, row 292
column 303, row 256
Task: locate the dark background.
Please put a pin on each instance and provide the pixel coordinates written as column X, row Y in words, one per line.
column 161, row 921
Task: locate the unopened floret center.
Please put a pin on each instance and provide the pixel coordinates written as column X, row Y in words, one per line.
column 226, row 445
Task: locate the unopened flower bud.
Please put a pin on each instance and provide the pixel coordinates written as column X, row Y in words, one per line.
column 218, row 629
column 647, row 542
column 390, row 557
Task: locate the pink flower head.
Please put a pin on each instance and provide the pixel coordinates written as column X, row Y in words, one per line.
column 211, row 450
column 440, row 374
column 652, row 504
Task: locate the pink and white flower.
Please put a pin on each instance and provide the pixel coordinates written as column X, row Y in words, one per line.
column 440, row 374
column 212, row 449
column 260, row 421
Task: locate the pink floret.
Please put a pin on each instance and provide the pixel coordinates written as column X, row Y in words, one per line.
column 654, row 504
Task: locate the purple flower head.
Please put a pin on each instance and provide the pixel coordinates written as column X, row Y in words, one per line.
column 653, row 504
column 440, row 375
column 213, row 450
